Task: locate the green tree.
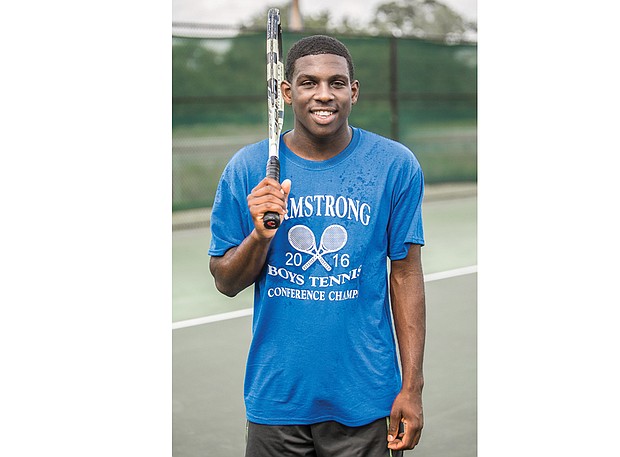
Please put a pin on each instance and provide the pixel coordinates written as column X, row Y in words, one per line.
column 421, row 18
column 416, row 18
column 313, row 22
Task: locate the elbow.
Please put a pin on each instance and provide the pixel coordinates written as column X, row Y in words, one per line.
column 222, row 286
column 226, row 290
column 225, row 280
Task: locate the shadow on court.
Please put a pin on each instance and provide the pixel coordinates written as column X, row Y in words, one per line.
column 209, row 362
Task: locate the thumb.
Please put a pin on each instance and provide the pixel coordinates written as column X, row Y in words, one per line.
column 286, row 187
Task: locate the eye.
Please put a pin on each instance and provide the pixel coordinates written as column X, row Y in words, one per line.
column 339, row 84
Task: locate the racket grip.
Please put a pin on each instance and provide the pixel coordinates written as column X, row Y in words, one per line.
column 271, row 220
column 273, row 168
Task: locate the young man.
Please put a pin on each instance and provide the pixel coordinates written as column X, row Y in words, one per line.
column 323, row 375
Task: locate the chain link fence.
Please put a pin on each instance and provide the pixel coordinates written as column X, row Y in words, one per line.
column 422, row 93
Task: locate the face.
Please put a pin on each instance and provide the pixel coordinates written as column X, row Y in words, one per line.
column 321, row 95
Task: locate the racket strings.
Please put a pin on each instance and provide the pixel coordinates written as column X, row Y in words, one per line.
column 334, row 238
column 301, row 238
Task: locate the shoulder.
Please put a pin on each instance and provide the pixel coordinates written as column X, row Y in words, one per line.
column 387, row 151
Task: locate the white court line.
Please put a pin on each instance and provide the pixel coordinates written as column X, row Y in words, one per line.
column 451, row 273
column 249, row 311
column 213, row 318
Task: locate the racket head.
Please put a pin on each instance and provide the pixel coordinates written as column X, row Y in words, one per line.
column 302, row 239
column 334, row 238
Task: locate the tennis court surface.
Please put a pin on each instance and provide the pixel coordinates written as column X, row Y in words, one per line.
column 211, row 335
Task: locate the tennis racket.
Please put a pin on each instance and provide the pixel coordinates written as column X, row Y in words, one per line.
column 333, row 239
column 275, row 103
column 302, row 239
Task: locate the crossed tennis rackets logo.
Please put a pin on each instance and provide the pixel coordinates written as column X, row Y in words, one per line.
column 302, row 239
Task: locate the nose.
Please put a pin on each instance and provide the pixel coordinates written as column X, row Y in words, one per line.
column 323, row 92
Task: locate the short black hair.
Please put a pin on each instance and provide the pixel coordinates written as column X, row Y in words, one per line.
column 314, row 45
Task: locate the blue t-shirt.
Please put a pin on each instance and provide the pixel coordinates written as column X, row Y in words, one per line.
column 323, row 347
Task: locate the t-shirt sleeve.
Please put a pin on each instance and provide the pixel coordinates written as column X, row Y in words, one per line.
column 229, row 226
column 405, row 226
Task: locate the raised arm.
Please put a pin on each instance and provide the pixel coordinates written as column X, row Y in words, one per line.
column 239, row 267
column 409, row 311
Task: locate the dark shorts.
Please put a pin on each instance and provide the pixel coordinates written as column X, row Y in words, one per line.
column 325, row 439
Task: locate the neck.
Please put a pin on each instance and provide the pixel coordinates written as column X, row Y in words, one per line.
column 315, row 148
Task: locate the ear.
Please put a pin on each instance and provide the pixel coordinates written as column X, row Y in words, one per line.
column 355, row 91
column 286, row 89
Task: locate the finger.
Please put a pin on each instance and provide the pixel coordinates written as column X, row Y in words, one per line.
column 266, row 186
column 398, row 434
column 418, row 430
column 393, row 427
column 417, row 436
column 258, row 209
column 408, row 438
column 266, row 196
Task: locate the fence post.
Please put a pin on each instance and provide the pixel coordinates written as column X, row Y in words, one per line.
column 394, row 88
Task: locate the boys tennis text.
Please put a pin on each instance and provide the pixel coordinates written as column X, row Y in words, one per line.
column 317, row 282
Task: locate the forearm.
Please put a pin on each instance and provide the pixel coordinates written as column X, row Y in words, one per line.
column 239, row 267
column 411, row 339
column 409, row 310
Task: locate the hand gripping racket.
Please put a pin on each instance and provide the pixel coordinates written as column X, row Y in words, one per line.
column 275, row 103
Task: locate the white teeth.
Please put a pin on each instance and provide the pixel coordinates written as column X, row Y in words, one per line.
column 323, row 113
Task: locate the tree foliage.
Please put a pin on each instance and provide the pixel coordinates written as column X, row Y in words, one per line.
column 418, row 18
column 421, row 18
column 319, row 21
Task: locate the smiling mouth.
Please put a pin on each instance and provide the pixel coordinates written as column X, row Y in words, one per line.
column 323, row 114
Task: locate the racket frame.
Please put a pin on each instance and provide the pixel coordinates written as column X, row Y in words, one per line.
column 275, row 104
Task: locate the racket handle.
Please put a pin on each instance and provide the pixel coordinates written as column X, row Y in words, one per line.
column 273, row 168
column 271, row 220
